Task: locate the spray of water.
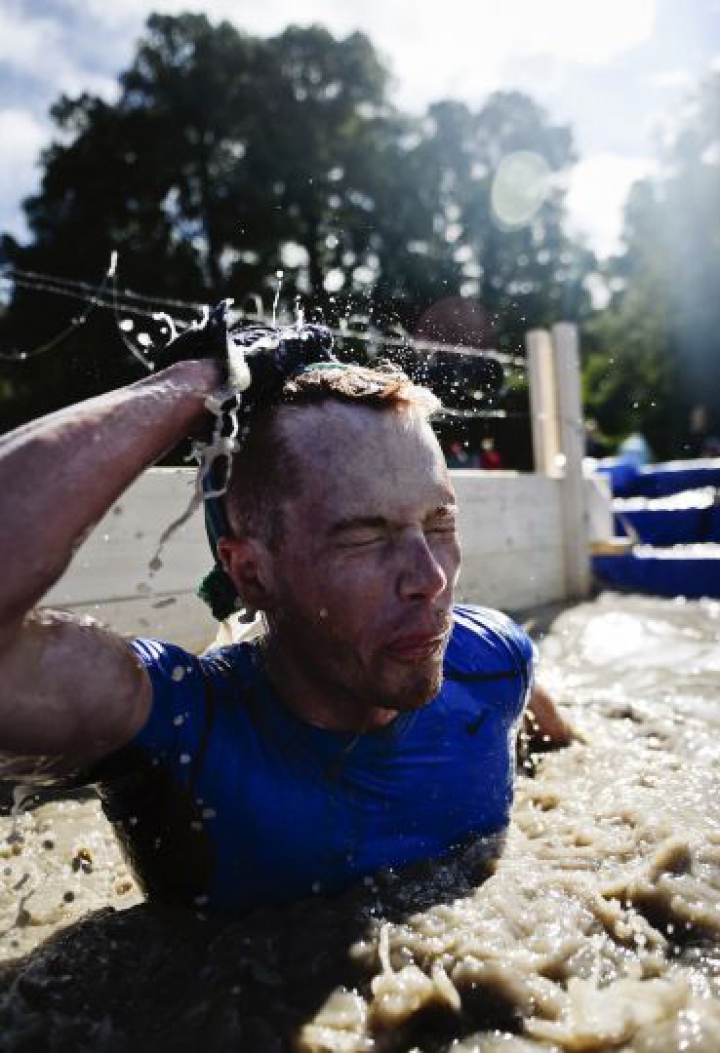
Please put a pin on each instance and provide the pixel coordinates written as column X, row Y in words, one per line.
column 279, row 275
column 226, row 437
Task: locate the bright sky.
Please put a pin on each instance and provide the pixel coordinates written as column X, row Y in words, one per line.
column 617, row 71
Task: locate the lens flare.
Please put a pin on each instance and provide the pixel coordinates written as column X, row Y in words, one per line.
column 520, row 187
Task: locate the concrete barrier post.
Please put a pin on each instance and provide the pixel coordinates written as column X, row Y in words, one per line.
column 572, row 446
column 543, row 408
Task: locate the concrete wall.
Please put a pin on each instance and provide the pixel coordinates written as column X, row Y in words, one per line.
column 118, row 577
column 510, row 527
column 511, row 533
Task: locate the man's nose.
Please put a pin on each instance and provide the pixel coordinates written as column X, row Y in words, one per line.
column 421, row 575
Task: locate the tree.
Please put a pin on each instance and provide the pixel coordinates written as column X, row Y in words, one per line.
column 655, row 348
column 517, row 263
column 228, row 157
column 221, row 149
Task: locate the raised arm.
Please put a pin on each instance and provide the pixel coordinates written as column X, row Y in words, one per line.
column 70, row 689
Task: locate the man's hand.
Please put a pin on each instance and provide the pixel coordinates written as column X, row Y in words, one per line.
column 256, row 359
column 206, row 340
column 543, row 725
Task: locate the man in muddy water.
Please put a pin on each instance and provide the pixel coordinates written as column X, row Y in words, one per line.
column 371, row 726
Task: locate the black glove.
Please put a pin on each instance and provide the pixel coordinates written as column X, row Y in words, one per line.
column 254, row 357
column 273, row 356
column 207, row 340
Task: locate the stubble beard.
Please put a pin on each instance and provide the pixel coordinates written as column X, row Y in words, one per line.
column 337, row 670
column 385, row 685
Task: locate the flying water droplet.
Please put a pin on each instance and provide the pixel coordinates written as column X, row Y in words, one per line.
column 279, row 275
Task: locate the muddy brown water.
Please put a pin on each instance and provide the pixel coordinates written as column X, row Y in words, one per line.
column 597, row 928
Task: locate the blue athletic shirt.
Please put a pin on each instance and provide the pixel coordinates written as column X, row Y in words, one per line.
column 227, row 800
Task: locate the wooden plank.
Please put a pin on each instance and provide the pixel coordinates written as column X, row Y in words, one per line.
column 543, row 402
column 572, row 443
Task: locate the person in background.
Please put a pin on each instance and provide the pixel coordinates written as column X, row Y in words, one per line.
column 459, row 456
column 490, row 458
column 596, row 445
column 635, row 450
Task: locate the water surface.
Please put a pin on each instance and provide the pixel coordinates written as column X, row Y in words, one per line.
column 597, row 929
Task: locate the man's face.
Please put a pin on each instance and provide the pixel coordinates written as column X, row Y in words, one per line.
column 363, row 583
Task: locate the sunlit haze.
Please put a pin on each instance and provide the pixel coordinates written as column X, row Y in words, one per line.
column 616, row 72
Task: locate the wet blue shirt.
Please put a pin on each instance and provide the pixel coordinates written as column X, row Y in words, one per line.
column 227, row 800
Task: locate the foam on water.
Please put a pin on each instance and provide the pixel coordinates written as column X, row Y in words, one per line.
column 598, row 927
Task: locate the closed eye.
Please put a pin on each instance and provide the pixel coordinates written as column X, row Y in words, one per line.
column 361, row 540
column 359, row 532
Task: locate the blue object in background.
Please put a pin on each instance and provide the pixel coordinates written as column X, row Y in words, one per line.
column 621, row 472
column 662, row 480
column 670, row 526
column 692, row 520
column 629, row 479
column 715, row 523
column 635, row 450
column 660, row 574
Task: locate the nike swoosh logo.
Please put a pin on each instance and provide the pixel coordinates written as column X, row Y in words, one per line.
column 474, row 726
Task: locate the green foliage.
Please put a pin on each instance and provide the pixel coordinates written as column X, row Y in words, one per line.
column 653, row 353
column 227, row 157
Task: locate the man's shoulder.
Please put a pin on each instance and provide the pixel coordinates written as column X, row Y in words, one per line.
column 186, row 688
column 486, row 641
column 173, row 660
column 484, row 625
column 177, row 674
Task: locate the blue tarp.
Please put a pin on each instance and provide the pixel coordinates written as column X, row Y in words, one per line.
column 659, row 569
column 658, row 480
column 671, row 526
column 660, row 575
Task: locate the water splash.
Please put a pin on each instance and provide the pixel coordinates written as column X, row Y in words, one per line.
column 20, row 795
column 168, row 321
column 226, row 437
column 279, row 275
column 124, row 325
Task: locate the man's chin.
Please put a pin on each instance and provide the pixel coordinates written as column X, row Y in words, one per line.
column 415, row 693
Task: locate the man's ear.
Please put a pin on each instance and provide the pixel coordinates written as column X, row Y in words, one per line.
column 248, row 562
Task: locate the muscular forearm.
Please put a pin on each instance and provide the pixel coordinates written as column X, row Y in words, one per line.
column 60, row 474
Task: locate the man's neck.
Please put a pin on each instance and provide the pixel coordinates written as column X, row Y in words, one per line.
column 314, row 702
